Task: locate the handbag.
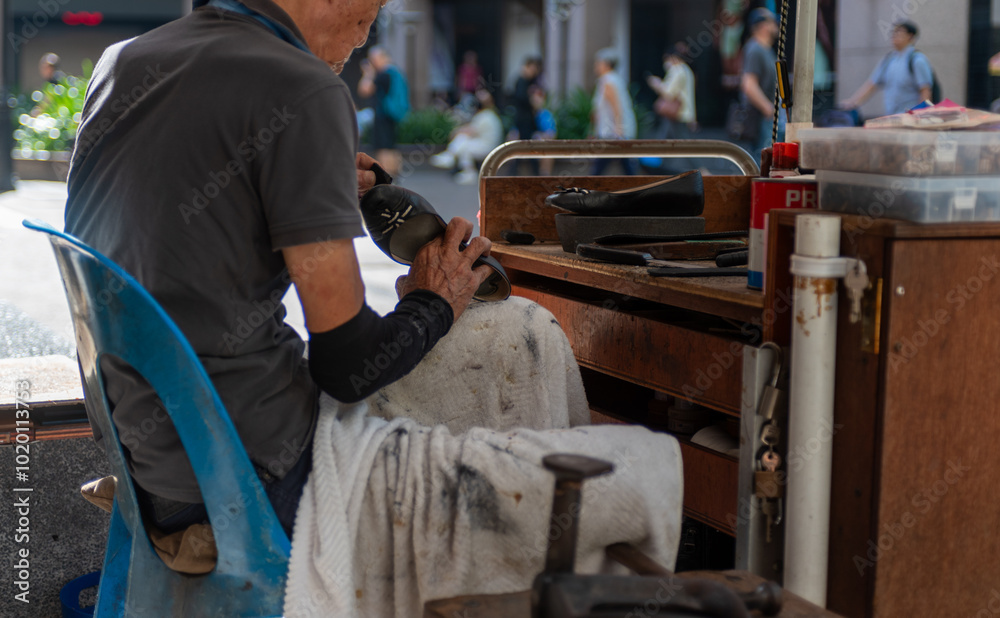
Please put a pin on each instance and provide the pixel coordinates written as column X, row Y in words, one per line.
column 742, row 122
column 668, row 107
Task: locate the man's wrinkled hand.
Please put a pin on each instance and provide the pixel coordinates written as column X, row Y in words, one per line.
column 441, row 267
column 366, row 177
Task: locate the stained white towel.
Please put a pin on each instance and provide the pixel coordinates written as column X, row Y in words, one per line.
column 502, row 365
column 396, row 513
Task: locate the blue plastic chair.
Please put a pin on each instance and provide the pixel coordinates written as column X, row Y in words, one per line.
column 113, row 314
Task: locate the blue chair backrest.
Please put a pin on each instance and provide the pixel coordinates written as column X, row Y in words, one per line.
column 113, row 314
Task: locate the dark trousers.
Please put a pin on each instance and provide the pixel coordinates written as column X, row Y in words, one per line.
column 284, row 494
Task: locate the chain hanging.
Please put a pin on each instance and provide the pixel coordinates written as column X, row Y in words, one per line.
column 782, row 37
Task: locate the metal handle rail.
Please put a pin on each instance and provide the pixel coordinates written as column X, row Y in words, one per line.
column 613, row 148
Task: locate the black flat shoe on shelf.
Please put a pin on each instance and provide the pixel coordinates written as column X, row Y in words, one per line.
column 400, row 222
column 678, row 196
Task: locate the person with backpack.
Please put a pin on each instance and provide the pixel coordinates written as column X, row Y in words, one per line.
column 383, row 80
column 904, row 75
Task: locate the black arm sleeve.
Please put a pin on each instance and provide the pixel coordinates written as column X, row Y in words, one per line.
column 368, row 352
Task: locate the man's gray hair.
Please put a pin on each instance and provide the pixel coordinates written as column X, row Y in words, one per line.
column 378, row 49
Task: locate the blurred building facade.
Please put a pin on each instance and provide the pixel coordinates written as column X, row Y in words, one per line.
column 75, row 30
column 428, row 38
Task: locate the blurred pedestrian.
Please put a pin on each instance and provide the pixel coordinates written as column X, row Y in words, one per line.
column 524, row 113
column 904, row 75
column 383, row 80
column 675, row 103
column 48, row 68
column 759, row 79
column 545, row 128
column 469, row 75
column 612, row 116
column 473, row 141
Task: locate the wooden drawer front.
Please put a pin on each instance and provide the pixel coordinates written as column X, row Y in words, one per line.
column 710, row 487
column 690, row 364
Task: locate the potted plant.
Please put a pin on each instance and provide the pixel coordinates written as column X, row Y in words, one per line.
column 45, row 127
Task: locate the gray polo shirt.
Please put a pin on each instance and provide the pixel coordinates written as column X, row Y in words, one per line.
column 901, row 86
column 208, row 145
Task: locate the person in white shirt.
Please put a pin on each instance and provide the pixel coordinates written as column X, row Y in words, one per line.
column 472, row 141
column 612, row 116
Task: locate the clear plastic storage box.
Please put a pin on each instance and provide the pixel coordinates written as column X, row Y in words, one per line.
column 901, row 152
column 925, row 200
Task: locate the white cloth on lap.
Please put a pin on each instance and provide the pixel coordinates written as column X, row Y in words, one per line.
column 396, row 513
column 502, row 365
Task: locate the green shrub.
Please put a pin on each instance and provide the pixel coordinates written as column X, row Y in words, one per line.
column 48, row 122
column 573, row 115
column 645, row 118
column 425, row 126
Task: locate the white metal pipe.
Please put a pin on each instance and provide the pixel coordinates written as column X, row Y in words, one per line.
column 810, row 419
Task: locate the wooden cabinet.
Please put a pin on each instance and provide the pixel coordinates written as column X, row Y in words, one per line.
column 915, row 517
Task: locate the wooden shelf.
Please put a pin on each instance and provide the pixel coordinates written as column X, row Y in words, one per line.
column 727, row 297
column 692, row 365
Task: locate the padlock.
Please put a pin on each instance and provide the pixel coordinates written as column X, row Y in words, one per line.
column 774, row 400
column 767, row 484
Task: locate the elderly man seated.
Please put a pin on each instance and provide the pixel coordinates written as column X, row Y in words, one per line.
column 217, row 162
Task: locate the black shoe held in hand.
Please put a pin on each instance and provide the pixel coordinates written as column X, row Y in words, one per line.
column 677, row 196
column 400, row 222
